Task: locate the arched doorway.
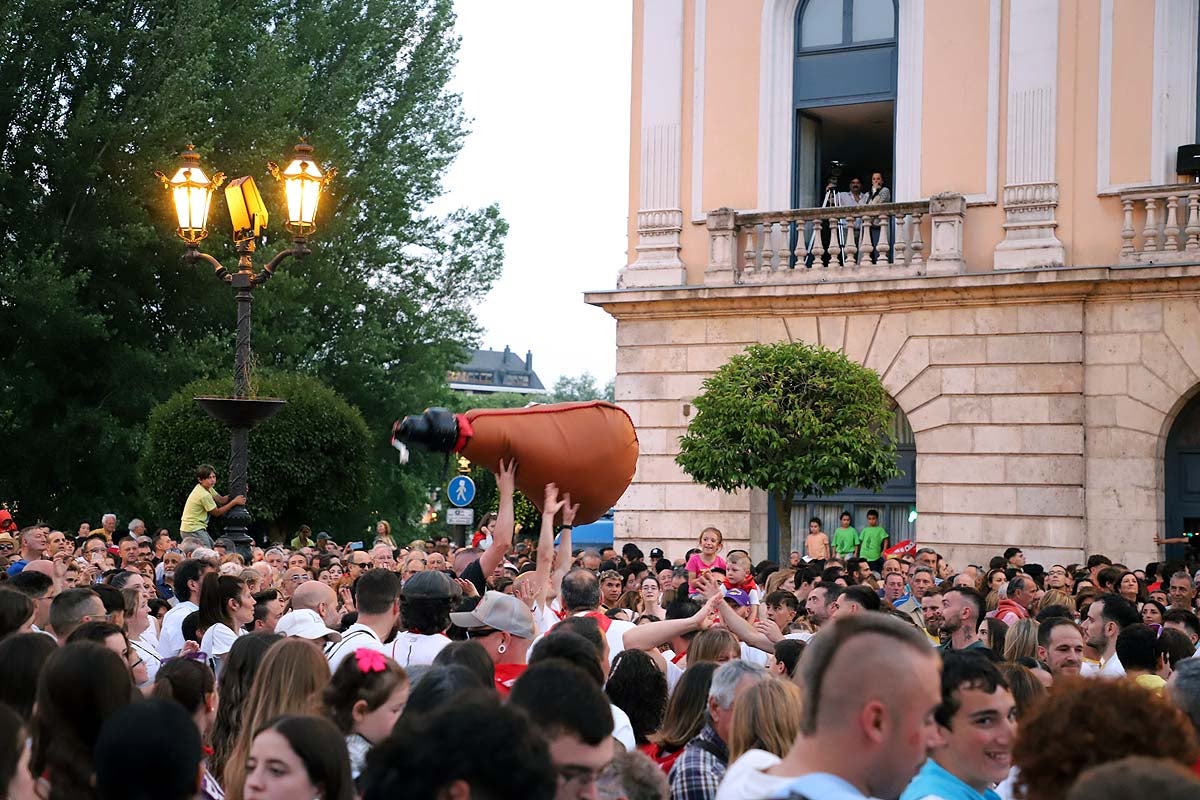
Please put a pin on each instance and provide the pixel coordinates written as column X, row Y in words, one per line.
column 895, row 502
column 843, row 94
column 1182, row 476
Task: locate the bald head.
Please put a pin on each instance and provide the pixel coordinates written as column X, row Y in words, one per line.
column 43, row 566
column 318, row 597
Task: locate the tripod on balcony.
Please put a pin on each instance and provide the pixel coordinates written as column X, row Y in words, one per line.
column 831, row 201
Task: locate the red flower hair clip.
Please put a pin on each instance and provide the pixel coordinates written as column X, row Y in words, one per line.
column 370, row 660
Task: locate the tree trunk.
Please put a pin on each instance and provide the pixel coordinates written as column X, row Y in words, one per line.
column 783, row 513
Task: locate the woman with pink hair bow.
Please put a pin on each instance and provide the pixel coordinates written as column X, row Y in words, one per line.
column 365, row 697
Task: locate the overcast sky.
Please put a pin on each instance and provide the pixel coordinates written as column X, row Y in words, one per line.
column 545, row 84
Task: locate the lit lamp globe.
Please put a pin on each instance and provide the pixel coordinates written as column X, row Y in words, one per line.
column 192, row 192
column 303, row 182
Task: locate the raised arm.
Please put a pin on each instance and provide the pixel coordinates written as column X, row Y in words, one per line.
column 562, row 561
column 502, row 531
column 651, row 635
column 739, row 627
column 545, row 549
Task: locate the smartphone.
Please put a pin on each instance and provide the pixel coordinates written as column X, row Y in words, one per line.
column 356, row 545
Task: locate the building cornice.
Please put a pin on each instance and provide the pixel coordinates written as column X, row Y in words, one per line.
column 1057, row 285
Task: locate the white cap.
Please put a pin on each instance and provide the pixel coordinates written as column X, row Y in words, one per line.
column 306, row 624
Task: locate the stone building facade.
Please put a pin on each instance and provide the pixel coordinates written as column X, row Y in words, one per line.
column 1031, row 298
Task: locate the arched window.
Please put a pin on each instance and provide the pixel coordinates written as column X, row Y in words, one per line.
column 844, row 92
column 895, row 502
column 845, row 23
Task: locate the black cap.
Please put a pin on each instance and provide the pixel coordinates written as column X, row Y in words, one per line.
column 430, row 585
column 656, row 552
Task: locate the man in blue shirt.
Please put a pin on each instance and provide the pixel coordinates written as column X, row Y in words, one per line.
column 978, row 722
column 33, row 547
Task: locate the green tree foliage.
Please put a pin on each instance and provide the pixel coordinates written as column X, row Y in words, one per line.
column 308, row 462
column 102, row 321
column 790, row 418
column 580, row 387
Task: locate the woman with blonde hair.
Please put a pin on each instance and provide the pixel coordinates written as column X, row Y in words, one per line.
column 1021, row 641
column 290, row 680
column 777, row 579
column 383, row 534
column 763, row 727
column 1057, row 597
column 714, row 644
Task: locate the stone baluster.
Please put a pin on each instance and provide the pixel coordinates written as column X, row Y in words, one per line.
column 853, row 226
column 1127, row 232
column 900, row 248
column 781, row 245
column 1171, row 230
column 884, row 239
column 917, row 244
column 1150, row 231
column 1193, row 224
column 818, row 248
column 865, row 249
column 801, row 251
column 751, row 253
column 835, row 247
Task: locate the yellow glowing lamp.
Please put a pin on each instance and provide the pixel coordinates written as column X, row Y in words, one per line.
column 246, row 208
column 192, row 192
column 303, row 182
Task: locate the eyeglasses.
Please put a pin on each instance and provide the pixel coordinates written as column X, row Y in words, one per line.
column 578, row 776
column 7, row 546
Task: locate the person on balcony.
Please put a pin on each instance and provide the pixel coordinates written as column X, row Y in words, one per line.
column 878, row 196
column 854, row 197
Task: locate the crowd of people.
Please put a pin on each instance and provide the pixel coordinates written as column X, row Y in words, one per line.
column 171, row 667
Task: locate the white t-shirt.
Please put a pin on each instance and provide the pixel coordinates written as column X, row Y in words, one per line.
column 218, row 639
column 170, row 639
column 623, row 728
column 674, row 671
column 745, row 779
column 754, row 655
column 413, row 649
column 615, row 635
column 149, row 656
column 356, row 636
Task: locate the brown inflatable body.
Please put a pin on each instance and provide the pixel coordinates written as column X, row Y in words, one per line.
column 589, row 450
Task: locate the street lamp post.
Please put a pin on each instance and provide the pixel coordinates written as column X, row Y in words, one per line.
column 191, row 190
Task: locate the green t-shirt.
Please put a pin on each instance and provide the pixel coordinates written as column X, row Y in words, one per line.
column 872, row 542
column 844, row 541
column 197, row 508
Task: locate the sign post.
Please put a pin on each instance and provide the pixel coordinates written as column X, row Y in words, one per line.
column 461, row 493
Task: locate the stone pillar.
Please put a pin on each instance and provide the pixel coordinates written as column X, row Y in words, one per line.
column 946, row 214
column 660, row 213
column 722, row 248
column 1031, row 188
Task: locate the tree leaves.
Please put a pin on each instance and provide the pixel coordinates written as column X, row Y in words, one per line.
column 790, row 418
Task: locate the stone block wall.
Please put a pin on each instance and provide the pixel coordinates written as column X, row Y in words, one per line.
column 1040, row 420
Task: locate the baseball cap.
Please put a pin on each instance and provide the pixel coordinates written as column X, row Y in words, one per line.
column 430, row 585
column 739, row 596
column 499, row 611
column 225, row 542
column 304, row 623
column 656, row 553
column 323, row 535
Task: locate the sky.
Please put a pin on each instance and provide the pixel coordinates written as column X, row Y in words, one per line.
column 545, row 85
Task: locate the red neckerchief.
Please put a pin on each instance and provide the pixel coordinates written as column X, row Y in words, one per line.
column 678, row 657
column 745, row 585
column 601, row 620
column 506, row 676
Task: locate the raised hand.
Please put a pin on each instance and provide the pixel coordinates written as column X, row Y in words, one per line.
column 569, row 511
column 551, row 504
column 506, row 480
column 468, row 588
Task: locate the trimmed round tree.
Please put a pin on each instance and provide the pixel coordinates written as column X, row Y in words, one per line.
column 790, row 419
column 309, row 463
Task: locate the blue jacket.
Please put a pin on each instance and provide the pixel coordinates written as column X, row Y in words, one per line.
column 935, row 782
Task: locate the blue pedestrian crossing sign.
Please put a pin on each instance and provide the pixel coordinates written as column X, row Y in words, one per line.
column 461, row 490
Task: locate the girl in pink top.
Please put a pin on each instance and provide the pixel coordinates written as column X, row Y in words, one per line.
column 707, row 558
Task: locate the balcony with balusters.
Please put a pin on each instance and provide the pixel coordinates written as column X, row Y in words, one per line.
column 814, row 245
column 1161, row 225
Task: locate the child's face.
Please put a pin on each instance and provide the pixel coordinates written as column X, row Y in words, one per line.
column 872, row 520
column 374, row 726
column 709, row 542
column 845, row 522
column 736, row 572
column 814, row 527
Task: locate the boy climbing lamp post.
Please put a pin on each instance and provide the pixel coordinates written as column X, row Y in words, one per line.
column 191, row 190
